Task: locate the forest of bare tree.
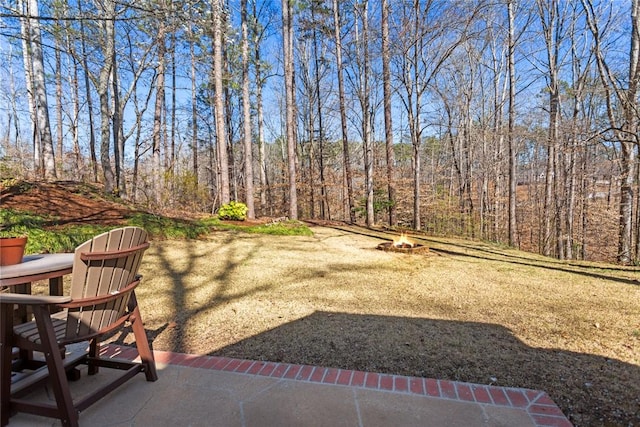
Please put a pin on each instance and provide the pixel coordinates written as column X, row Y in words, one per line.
column 513, row 121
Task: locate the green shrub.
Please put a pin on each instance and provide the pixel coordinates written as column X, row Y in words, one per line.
column 233, row 210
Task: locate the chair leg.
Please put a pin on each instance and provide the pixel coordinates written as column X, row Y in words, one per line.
column 23, row 315
column 146, row 355
column 58, row 378
column 6, row 326
column 94, row 352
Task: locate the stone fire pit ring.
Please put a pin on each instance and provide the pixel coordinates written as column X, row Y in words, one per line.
column 404, row 248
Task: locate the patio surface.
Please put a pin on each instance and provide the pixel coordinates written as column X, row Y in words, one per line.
column 218, row 391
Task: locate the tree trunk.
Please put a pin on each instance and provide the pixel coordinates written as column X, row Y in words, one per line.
column 221, row 132
column 108, row 51
column 416, row 136
column 637, row 224
column 118, row 130
column 511, row 142
column 194, row 105
column 578, row 152
column 552, row 199
column 157, row 115
column 262, row 158
column 627, row 161
column 58, row 78
column 87, row 87
column 388, row 125
column 629, row 142
column 366, row 114
column 42, row 107
column 172, row 138
column 246, row 110
column 234, row 176
column 27, row 56
column 75, row 101
column 259, row 80
column 626, row 132
column 42, row 126
column 324, row 205
column 349, row 211
column 289, row 79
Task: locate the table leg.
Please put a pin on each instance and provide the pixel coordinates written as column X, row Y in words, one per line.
column 56, row 288
column 23, row 313
column 6, row 327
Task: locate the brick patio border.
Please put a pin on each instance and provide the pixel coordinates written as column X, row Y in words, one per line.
column 537, row 404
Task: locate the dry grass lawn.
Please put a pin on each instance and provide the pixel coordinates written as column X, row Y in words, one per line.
column 467, row 311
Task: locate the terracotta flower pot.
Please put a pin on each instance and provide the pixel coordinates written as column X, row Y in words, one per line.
column 12, row 250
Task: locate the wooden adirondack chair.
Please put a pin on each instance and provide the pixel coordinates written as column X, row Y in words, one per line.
column 102, row 299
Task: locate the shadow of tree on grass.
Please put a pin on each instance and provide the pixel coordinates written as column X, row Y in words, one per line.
column 581, row 384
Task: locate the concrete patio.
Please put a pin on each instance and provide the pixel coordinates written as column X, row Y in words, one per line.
column 217, row 391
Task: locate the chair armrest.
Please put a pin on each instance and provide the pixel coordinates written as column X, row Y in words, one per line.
column 120, row 253
column 101, row 299
column 11, row 298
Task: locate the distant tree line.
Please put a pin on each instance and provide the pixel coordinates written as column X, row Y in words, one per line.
column 510, row 121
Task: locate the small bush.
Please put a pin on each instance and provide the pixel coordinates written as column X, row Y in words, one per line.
column 235, row 211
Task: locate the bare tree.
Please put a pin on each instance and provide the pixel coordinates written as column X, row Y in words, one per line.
column 246, row 113
column 174, row 71
column 348, row 180
column 551, row 21
column 137, row 62
column 289, row 83
column 221, row 130
column 425, row 47
column 308, row 116
column 118, row 129
column 107, row 45
column 58, row 39
column 259, row 32
column 35, row 77
column 74, row 88
column 161, row 49
column 364, row 98
column 388, row 124
column 324, row 204
column 623, row 126
column 89, row 100
column 578, row 153
column 194, row 103
column 25, row 32
column 511, row 122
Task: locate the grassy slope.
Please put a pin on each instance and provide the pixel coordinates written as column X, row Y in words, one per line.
column 468, row 311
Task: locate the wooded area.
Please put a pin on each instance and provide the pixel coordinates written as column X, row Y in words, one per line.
column 509, row 121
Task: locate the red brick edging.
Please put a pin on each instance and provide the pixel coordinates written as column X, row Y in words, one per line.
column 537, row 404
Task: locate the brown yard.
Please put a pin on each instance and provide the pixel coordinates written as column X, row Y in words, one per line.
column 466, row 311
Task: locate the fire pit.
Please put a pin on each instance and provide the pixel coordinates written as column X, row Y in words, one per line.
column 403, row 245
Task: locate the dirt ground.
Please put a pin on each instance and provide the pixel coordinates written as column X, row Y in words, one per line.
column 464, row 311
column 69, row 202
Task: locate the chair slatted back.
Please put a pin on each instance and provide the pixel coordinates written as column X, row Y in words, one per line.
column 99, row 269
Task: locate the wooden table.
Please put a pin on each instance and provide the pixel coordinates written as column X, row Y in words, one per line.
column 18, row 277
column 37, row 267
